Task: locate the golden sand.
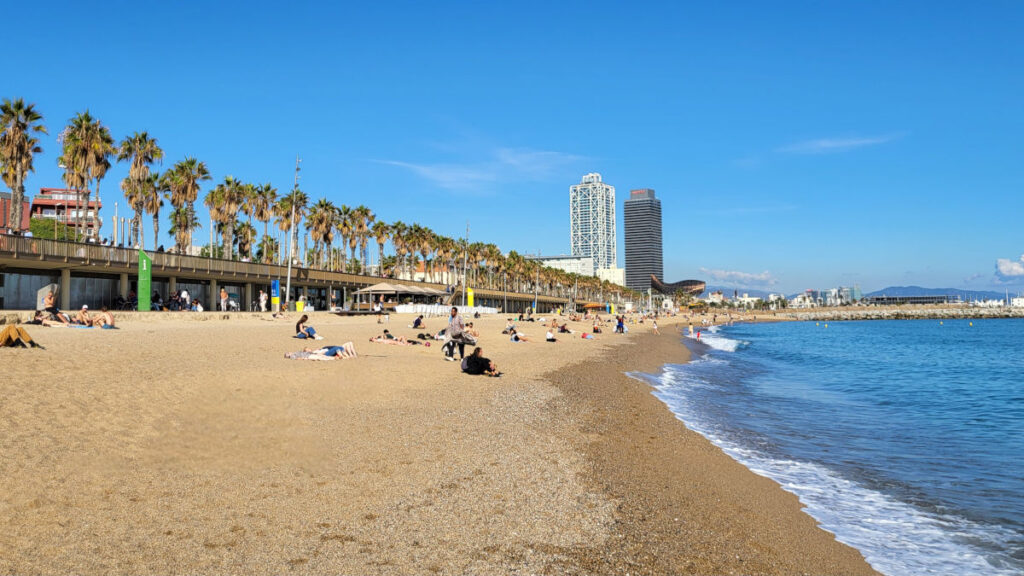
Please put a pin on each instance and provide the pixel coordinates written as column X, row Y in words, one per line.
column 176, row 445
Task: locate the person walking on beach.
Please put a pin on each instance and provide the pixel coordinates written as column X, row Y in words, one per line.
column 455, row 336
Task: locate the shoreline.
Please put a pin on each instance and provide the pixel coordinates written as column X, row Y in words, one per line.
column 684, row 505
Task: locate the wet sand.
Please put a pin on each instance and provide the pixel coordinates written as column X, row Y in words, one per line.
column 176, row 445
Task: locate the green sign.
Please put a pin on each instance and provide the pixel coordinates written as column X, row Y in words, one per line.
column 145, row 280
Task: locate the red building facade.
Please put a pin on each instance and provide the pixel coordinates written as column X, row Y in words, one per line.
column 63, row 205
column 5, row 212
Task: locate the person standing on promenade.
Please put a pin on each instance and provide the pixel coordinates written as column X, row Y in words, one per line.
column 263, row 301
column 223, row 300
column 455, row 335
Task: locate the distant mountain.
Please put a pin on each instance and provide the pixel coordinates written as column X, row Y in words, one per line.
column 967, row 295
column 728, row 292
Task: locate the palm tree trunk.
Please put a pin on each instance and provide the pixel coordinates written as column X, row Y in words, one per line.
column 16, row 199
column 229, row 240
column 156, row 229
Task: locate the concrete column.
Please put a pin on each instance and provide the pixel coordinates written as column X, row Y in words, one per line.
column 247, row 302
column 172, row 286
column 65, row 289
column 214, row 295
column 122, row 285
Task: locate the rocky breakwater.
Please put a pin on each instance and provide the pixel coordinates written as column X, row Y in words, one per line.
column 902, row 313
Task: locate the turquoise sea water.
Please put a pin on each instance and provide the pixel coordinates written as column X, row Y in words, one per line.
column 904, row 438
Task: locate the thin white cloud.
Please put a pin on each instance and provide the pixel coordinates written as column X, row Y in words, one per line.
column 502, row 165
column 1007, row 269
column 743, row 279
column 829, row 145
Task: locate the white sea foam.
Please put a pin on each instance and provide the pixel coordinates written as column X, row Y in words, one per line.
column 718, row 342
column 896, row 538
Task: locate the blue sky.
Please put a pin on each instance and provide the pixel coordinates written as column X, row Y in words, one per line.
column 793, row 145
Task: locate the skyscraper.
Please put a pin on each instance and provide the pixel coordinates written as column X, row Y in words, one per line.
column 642, row 213
column 592, row 220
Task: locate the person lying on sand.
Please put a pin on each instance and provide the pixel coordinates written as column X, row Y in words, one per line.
column 346, row 350
column 387, row 338
column 515, row 336
column 13, row 335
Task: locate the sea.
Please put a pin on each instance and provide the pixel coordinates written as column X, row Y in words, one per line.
column 904, row 438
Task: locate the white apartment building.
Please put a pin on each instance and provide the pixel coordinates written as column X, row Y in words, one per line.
column 592, row 221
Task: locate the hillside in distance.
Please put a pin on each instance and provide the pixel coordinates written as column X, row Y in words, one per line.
column 966, row 295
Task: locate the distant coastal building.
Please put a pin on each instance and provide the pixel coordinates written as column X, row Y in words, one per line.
column 642, row 219
column 896, row 300
column 62, row 205
column 582, row 265
column 592, row 221
column 5, row 212
column 613, row 275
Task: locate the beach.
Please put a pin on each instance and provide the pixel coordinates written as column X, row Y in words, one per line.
column 186, row 443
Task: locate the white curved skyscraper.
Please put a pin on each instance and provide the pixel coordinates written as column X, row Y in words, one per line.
column 592, row 221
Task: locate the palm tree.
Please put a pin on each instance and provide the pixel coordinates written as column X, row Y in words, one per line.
column 153, row 191
column 184, row 182
column 224, row 201
column 246, row 233
column 141, row 151
column 262, row 205
column 362, row 220
column 320, row 225
column 85, row 156
column 18, row 121
column 343, row 222
column 380, row 232
column 183, row 223
column 283, row 210
column 399, row 237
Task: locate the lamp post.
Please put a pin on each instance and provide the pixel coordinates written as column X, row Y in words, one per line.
column 56, row 219
column 465, row 254
column 291, row 225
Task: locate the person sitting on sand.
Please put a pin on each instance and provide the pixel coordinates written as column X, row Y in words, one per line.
column 417, row 324
column 50, row 306
column 553, row 323
column 83, row 318
column 515, row 336
column 509, row 326
column 597, row 329
column 564, row 329
column 104, row 319
column 303, row 331
column 476, row 364
column 550, row 336
column 471, row 331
